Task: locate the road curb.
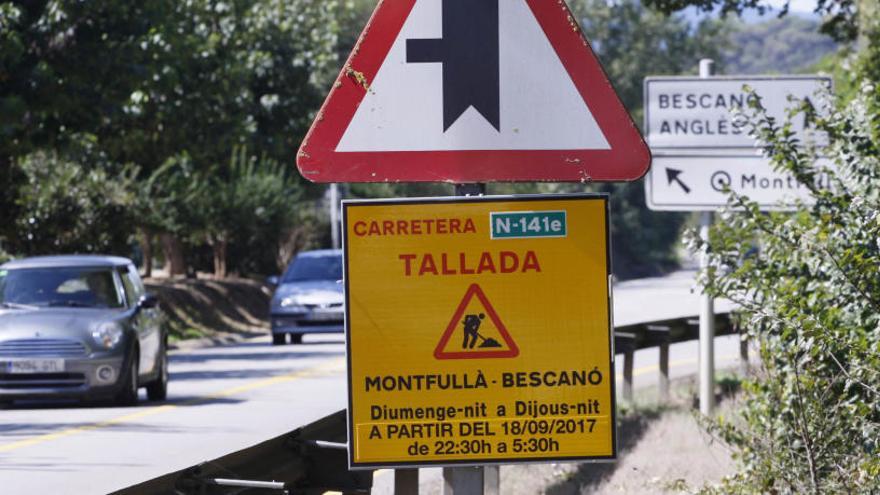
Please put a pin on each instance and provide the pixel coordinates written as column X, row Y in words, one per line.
column 220, row 339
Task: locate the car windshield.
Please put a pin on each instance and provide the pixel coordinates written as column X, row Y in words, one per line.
column 75, row 287
column 304, row 268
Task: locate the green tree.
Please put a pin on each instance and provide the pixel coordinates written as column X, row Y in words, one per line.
column 776, row 46
column 242, row 72
column 842, row 19
column 227, row 74
column 66, row 207
column 66, row 67
column 248, row 202
column 634, row 42
column 810, row 298
column 162, row 208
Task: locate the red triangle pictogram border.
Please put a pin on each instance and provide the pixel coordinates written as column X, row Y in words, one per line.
column 475, row 290
column 628, row 158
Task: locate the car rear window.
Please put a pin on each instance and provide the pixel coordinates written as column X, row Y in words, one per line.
column 60, row 287
column 315, row 268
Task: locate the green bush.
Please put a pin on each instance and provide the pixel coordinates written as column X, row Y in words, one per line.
column 243, row 208
column 67, row 207
column 808, row 283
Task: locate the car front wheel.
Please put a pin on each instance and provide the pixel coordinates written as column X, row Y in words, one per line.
column 158, row 390
column 128, row 394
column 279, row 338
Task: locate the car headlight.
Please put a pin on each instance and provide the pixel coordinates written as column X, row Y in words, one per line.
column 107, row 335
column 292, row 304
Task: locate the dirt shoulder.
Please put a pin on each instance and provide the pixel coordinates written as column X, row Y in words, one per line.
column 662, row 450
column 216, row 310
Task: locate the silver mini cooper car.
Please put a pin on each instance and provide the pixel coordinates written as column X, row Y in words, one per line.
column 79, row 327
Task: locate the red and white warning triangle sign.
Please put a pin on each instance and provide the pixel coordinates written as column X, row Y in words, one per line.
column 472, row 91
column 475, row 331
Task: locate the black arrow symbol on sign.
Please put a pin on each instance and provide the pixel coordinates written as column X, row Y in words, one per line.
column 672, row 176
column 469, row 52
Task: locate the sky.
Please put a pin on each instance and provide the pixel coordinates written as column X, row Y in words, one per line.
column 805, row 6
column 802, row 8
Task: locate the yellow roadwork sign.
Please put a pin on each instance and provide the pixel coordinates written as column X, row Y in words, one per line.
column 478, row 330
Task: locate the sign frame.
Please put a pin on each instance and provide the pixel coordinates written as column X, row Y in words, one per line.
column 743, row 79
column 682, row 206
column 612, row 381
column 627, row 159
column 709, row 153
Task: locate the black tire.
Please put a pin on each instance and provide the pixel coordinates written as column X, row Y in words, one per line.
column 296, row 338
column 279, row 338
column 128, row 394
column 158, row 389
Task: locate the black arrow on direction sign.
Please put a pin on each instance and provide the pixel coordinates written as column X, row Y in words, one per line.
column 672, row 176
column 469, row 52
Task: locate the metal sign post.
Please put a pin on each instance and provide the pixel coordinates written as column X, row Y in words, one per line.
column 496, row 310
column 701, row 152
column 707, row 303
column 483, row 480
column 334, row 215
column 707, row 330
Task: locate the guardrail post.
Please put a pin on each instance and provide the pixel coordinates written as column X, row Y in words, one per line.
column 744, row 367
column 625, row 343
column 406, row 481
column 664, row 371
column 463, row 481
column 628, row 358
column 492, row 480
column 661, row 335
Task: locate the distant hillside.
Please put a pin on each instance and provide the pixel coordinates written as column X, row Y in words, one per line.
column 788, row 45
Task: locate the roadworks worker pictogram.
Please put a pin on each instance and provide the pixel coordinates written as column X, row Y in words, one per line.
column 478, row 327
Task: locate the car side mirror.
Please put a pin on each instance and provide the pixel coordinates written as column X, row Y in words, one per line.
column 148, row 301
column 273, row 280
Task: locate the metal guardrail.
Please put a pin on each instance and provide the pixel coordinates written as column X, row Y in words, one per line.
column 307, row 461
column 313, row 459
column 660, row 334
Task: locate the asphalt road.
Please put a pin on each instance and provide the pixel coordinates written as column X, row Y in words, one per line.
column 223, row 399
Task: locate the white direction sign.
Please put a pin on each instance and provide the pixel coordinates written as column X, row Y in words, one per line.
column 693, row 112
column 699, row 146
column 688, row 183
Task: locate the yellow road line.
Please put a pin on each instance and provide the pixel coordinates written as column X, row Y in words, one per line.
column 644, row 370
column 336, row 365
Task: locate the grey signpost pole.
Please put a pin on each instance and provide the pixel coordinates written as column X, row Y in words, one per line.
column 470, row 480
column 707, row 303
column 334, row 215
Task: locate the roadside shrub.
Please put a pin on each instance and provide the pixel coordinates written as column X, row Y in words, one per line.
column 808, row 283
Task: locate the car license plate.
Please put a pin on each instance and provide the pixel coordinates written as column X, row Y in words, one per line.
column 328, row 316
column 24, row 366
